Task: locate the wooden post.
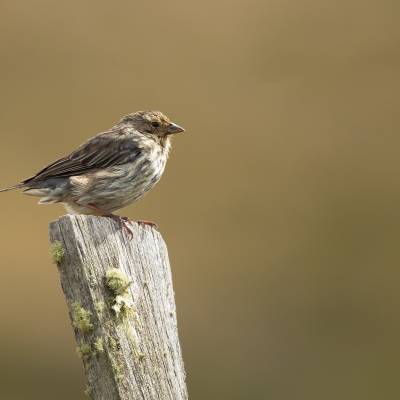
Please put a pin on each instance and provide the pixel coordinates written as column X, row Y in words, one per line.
column 121, row 304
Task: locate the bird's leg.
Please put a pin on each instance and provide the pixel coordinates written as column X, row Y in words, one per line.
column 123, row 221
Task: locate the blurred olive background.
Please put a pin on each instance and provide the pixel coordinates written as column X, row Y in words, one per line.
column 280, row 205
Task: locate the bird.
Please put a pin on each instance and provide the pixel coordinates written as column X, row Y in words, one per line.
column 109, row 171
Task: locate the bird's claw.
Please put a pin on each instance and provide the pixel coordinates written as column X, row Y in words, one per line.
column 124, row 222
column 148, row 223
column 127, row 229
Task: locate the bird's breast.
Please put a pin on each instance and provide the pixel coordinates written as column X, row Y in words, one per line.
column 115, row 187
column 133, row 179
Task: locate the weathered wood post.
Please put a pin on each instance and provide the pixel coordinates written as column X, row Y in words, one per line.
column 121, row 303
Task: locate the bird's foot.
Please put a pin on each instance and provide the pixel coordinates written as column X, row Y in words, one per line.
column 124, row 222
column 148, row 223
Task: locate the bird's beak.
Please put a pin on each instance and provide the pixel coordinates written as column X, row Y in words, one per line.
column 174, row 128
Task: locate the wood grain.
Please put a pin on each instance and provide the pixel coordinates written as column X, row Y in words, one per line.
column 133, row 357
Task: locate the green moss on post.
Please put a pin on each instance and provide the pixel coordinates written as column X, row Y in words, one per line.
column 122, row 307
column 88, row 392
column 81, row 318
column 113, row 344
column 57, row 252
column 117, row 281
column 115, row 358
column 87, row 350
column 100, row 306
column 98, row 345
column 84, row 351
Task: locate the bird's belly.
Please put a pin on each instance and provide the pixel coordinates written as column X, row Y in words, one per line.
column 117, row 187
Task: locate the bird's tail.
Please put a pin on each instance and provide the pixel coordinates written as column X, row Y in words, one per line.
column 18, row 186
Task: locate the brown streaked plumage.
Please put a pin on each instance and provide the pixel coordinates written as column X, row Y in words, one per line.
column 109, row 171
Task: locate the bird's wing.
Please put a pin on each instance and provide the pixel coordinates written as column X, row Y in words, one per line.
column 102, row 151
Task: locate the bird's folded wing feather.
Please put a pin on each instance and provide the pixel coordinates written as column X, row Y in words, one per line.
column 102, row 151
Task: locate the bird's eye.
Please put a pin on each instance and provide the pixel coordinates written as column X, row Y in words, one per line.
column 155, row 124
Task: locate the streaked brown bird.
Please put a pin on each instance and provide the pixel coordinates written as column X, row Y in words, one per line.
column 111, row 170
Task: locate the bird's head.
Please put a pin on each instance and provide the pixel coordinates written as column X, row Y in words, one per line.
column 152, row 123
